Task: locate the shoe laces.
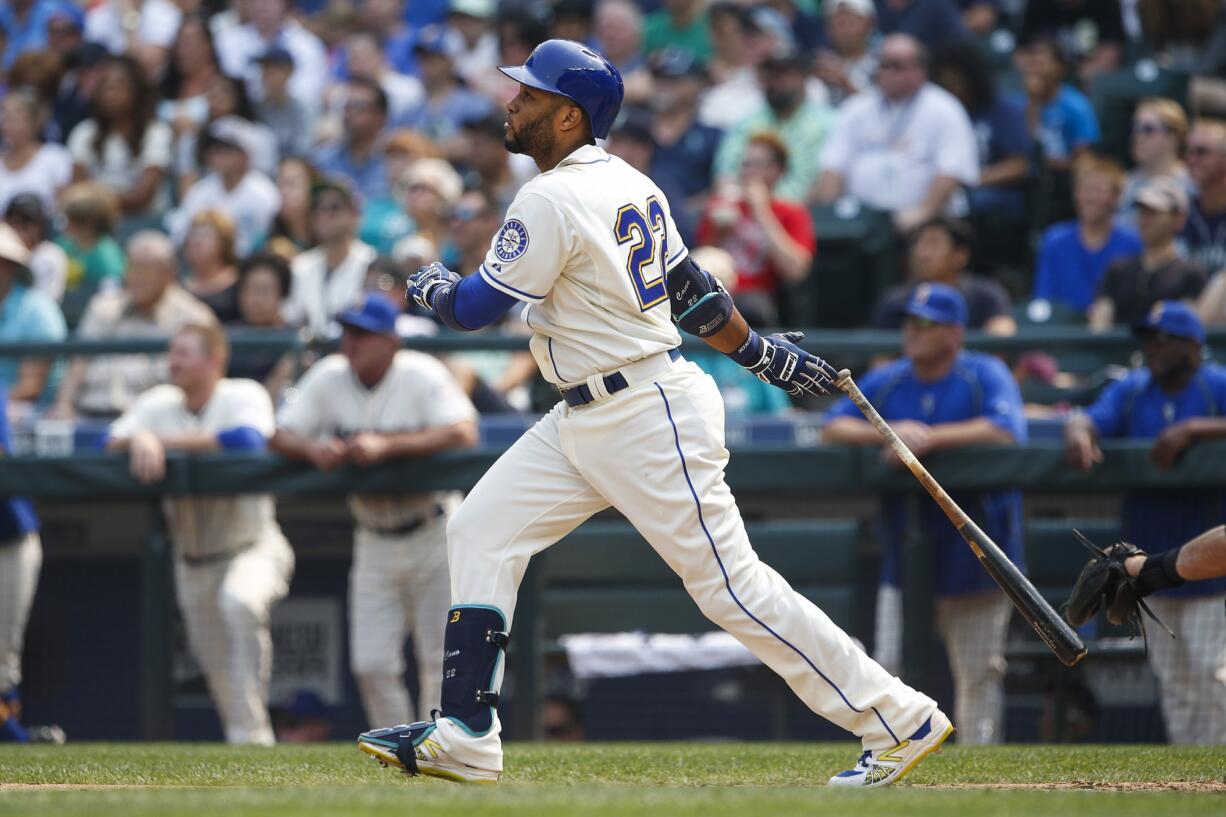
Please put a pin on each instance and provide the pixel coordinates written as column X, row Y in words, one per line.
column 864, row 759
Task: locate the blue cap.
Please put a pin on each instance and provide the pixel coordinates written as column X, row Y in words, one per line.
column 373, row 312
column 304, row 703
column 276, row 54
column 433, row 39
column 937, row 302
column 69, row 11
column 1174, row 318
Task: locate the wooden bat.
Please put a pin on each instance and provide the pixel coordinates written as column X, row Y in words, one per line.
column 1054, row 630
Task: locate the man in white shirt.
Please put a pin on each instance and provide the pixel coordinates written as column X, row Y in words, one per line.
column 904, row 145
column 371, row 403
column 329, row 277
column 269, row 24
column 231, row 561
column 247, row 196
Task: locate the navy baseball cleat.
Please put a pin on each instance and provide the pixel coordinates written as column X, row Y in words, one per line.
column 886, row 766
column 416, row 749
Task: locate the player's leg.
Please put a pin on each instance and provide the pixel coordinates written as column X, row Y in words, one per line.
column 254, row 580
column 378, row 615
column 531, row 497
column 973, row 627
column 1168, row 659
column 430, row 599
column 673, row 491
column 1204, row 638
column 20, row 561
column 196, row 588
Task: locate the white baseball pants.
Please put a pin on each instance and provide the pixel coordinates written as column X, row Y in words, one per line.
column 398, row 585
column 656, row 453
column 20, row 561
column 1191, row 669
column 226, row 606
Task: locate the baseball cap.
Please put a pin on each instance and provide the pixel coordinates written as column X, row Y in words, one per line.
column 676, row 62
column 864, row 8
column 70, row 12
column 373, row 312
column 1173, row 318
column 235, row 132
column 1164, row 195
column 278, row 55
column 433, row 39
column 937, row 302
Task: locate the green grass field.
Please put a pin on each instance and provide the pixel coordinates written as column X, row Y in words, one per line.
column 552, row 780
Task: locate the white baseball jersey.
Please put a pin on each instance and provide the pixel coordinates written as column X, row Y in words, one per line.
column 416, row 393
column 204, row 526
column 586, row 244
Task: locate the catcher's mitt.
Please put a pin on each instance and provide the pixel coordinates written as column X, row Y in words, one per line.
column 1105, row 584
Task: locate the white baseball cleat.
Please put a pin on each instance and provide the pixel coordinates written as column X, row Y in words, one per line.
column 417, row 749
column 886, row 766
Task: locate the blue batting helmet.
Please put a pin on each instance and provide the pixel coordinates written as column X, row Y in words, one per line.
column 578, row 73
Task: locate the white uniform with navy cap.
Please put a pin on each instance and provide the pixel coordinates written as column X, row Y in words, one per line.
column 586, row 245
column 398, row 584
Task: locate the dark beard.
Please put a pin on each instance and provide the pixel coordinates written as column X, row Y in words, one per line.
column 783, row 102
column 532, row 139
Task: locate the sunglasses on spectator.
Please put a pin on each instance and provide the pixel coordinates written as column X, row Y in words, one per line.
column 894, row 65
column 1149, row 128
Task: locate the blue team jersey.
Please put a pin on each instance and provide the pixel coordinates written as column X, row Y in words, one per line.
column 17, row 517
column 1136, row 408
column 978, row 386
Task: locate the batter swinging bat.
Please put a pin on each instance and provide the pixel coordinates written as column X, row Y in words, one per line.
column 1054, row 631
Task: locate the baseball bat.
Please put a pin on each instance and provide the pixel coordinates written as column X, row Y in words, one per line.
column 1051, row 628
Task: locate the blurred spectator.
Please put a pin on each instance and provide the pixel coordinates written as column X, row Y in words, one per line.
column 27, row 163
column 26, row 315
column 475, row 44
column 1061, row 119
column 849, row 62
column 940, row 249
column 268, row 24
column 1131, row 286
column 937, row 397
column 1176, row 400
column 1204, row 236
column 428, row 189
column 387, row 17
column 486, row 156
column 1089, row 32
column 448, row 103
column 771, row 240
column 562, row 719
column 980, row 16
column 23, row 28
column 364, row 51
column 801, row 125
column 287, row 118
column 475, row 219
column 1074, row 255
column 21, row 558
column 932, row 22
column 375, row 403
column 208, row 253
column 232, row 563
column 83, row 73
column 1159, row 130
column 190, row 74
column 65, row 28
column 999, row 122
column 247, row 196
column 572, row 20
column 678, row 24
column 227, row 99
column 48, row 262
column 357, row 156
column 802, row 20
column 263, row 287
column 303, row 718
column 1177, row 33
column 631, row 141
column 618, row 30
column 905, row 145
column 151, row 305
column 735, row 92
column 141, row 29
column 291, row 230
column 683, row 163
column 384, row 221
column 91, row 212
column 520, row 29
column 329, row 277
column 122, row 145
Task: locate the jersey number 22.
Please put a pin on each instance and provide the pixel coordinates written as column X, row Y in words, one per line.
column 648, row 239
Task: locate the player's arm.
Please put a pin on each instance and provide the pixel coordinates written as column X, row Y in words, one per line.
column 325, row 454
column 464, row 304
column 370, row 447
column 1176, row 438
column 702, row 307
column 1081, row 442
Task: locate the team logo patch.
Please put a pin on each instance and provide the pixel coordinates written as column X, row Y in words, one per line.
column 512, row 241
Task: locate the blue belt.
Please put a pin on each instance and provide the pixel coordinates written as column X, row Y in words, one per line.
column 581, row 395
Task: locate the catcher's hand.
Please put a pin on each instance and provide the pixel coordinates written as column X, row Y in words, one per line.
column 1104, row 583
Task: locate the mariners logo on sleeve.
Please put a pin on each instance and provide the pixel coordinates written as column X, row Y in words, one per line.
column 512, row 241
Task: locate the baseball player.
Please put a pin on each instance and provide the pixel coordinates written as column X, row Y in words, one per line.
column 371, row 403
column 939, row 396
column 590, row 246
column 21, row 557
column 1176, row 399
column 231, row 561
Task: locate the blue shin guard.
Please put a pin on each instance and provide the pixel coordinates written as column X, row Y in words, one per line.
column 472, row 649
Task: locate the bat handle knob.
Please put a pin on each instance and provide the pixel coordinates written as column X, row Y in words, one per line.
column 844, row 379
